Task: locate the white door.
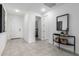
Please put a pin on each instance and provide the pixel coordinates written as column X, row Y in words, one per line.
column 16, row 27
column 44, row 28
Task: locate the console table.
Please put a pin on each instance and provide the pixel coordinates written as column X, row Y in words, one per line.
column 68, row 36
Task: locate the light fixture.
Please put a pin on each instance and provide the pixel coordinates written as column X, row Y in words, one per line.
column 16, row 10
column 43, row 9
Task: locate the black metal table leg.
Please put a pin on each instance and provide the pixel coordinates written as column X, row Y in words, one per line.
column 53, row 39
column 74, row 45
column 59, row 42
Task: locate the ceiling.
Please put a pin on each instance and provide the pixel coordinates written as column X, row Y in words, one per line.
column 25, row 7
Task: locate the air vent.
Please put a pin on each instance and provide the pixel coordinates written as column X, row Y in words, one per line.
column 50, row 5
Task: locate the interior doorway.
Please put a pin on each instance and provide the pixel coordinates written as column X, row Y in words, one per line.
column 38, row 28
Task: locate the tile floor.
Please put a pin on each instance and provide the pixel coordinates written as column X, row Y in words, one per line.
column 18, row 47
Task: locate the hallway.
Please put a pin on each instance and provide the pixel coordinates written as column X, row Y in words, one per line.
column 18, row 47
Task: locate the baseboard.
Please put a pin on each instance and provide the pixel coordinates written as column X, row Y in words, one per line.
column 16, row 38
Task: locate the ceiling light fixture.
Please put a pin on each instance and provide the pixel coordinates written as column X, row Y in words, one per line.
column 17, row 10
column 43, row 9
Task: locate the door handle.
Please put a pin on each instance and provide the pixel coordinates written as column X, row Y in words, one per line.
column 19, row 29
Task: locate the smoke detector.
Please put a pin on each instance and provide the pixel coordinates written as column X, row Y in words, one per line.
column 50, row 5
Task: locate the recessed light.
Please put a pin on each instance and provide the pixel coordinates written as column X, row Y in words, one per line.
column 43, row 9
column 17, row 10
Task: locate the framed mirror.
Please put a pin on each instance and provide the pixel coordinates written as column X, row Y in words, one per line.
column 62, row 22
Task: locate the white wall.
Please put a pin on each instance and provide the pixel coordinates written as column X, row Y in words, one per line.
column 73, row 10
column 3, row 40
column 29, row 26
column 26, row 27
column 15, row 26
